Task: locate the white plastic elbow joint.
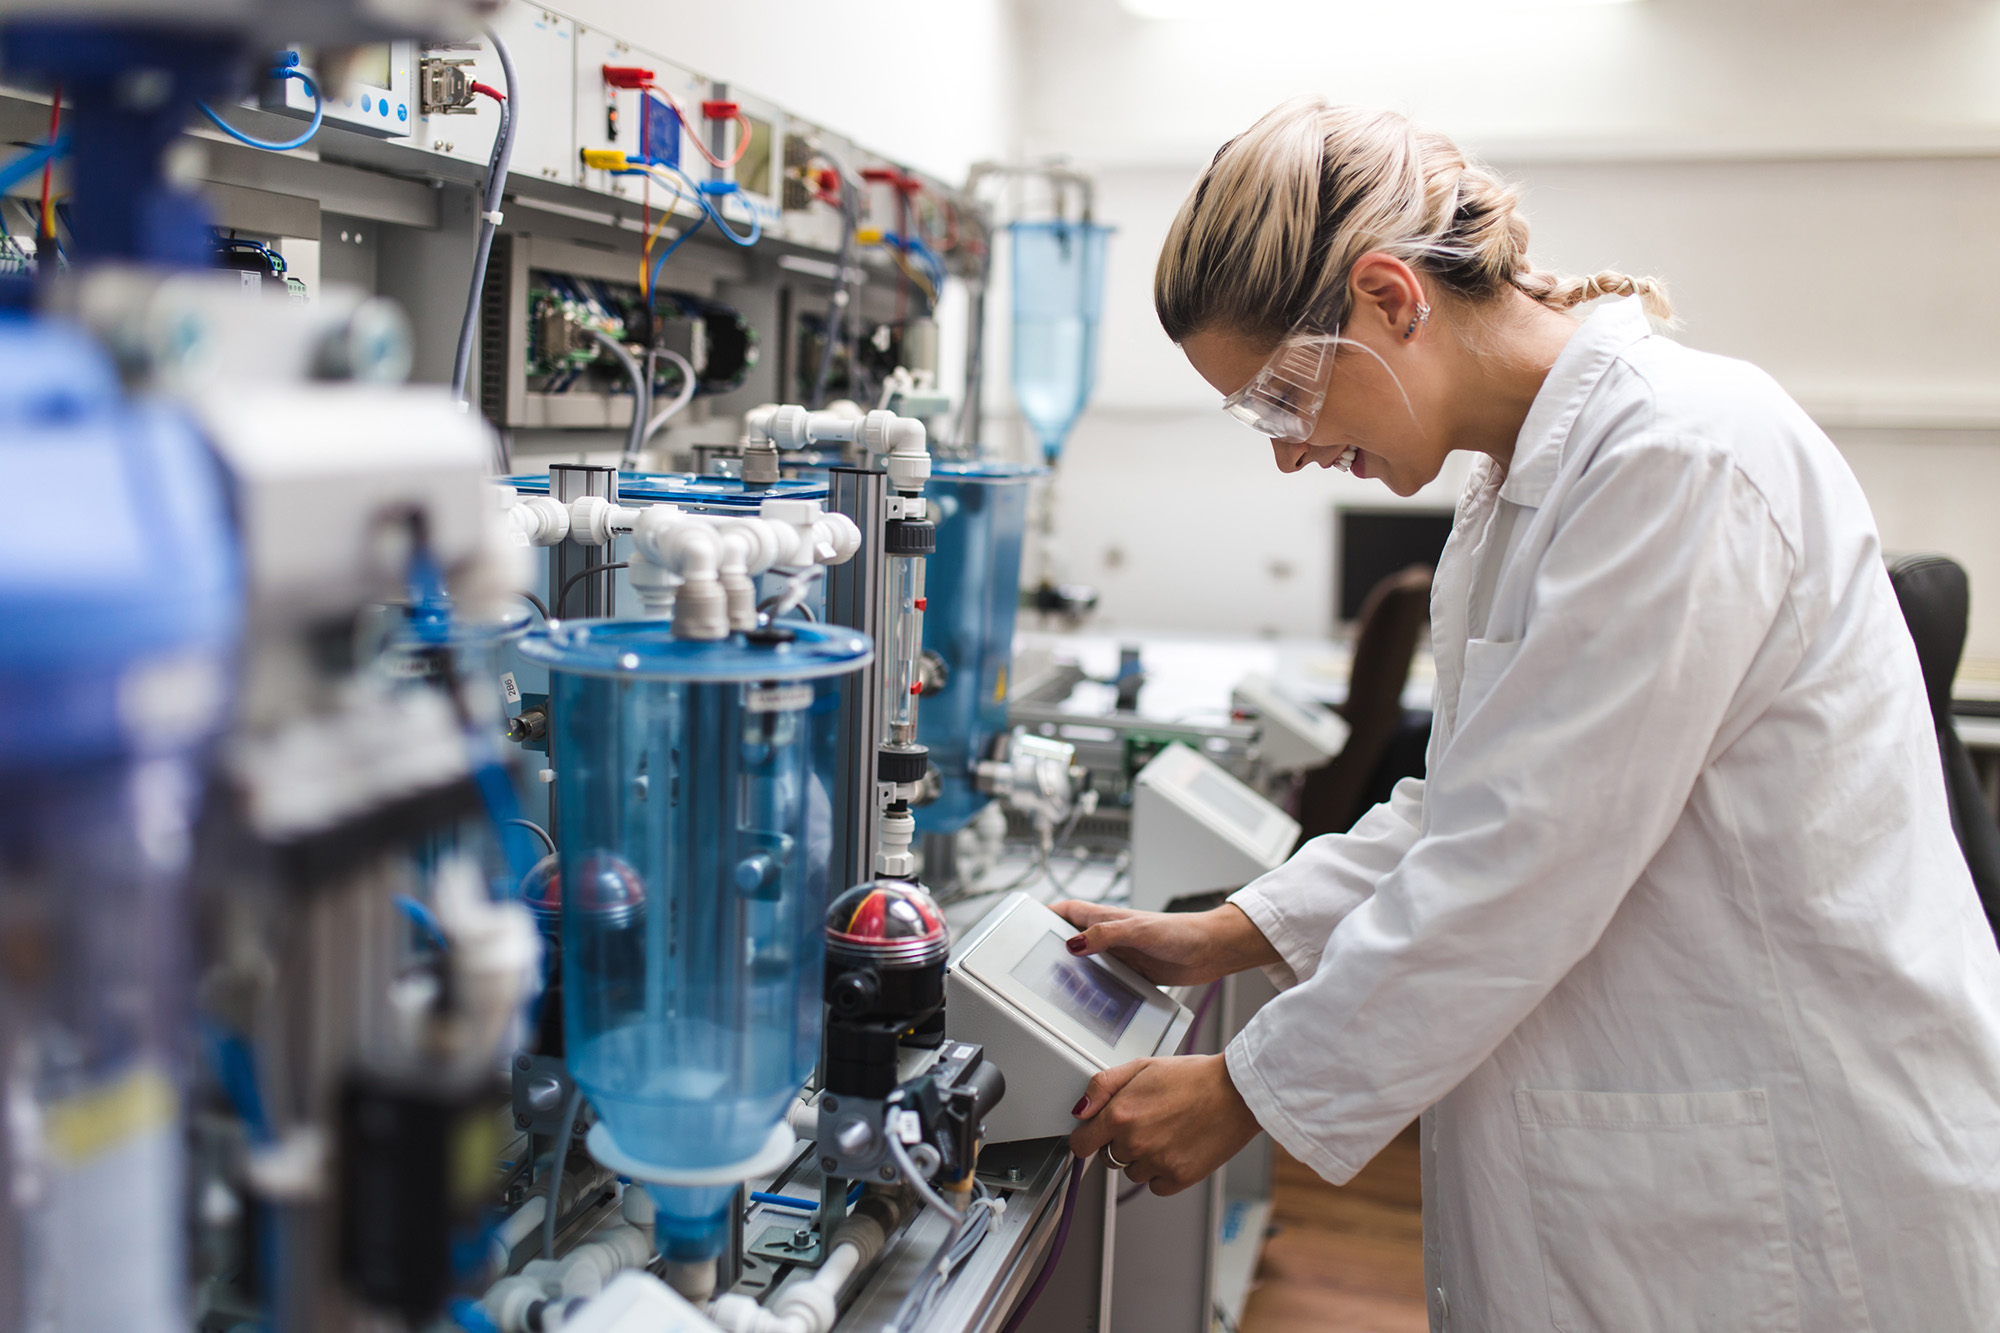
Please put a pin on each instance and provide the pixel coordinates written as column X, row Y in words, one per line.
column 544, row 521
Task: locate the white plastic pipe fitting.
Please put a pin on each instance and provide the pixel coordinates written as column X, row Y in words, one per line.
column 893, row 857
column 812, row 1306
column 900, row 440
column 543, row 521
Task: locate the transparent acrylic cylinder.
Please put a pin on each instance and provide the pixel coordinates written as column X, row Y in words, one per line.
column 974, row 587
column 905, row 599
column 1058, row 297
column 696, row 837
column 95, row 1001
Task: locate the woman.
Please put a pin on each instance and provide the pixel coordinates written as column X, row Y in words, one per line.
column 1673, row 948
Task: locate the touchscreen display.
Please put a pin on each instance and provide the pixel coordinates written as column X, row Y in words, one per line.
column 1084, row 990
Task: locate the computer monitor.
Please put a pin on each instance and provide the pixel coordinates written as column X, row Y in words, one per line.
column 1372, row 544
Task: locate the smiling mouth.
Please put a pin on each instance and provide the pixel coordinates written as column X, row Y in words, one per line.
column 1346, row 460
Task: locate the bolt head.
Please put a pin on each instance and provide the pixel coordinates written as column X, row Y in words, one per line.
column 829, row 1103
column 520, row 1122
column 522, row 1062
column 827, row 1164
column 888, row 1173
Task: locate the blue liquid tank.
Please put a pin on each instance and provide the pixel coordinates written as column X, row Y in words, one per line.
column 974, row 580
column 696, row 836
column 1058, row 298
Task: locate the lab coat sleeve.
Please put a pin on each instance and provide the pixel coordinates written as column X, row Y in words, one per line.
column 1573, row 756
column 1298, row 904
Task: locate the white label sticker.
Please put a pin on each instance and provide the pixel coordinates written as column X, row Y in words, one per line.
column 509, row 688
column 907, row 1126
column 777, row 698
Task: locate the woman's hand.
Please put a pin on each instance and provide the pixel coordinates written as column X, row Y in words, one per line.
column 1169, row 1122
column 1170, row 948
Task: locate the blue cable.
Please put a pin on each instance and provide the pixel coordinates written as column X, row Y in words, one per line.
column 423, row 919
column 281, row 72
column 804, row 1205
column 235, row 1069
column 784, row 1201
column 704, row 195
column 653, row 282
column 30, row 162
column 470, row 1316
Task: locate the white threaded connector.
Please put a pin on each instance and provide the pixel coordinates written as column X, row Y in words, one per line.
column 694, row 1280
column 701, row 610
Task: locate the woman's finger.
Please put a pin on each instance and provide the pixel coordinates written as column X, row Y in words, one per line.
column 1082, row 914
column 1096, row 1131
column 1125, row 932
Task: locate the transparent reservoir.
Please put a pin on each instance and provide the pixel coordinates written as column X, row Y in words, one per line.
column 1058, row 298
column 695, row 829
column 974, row 587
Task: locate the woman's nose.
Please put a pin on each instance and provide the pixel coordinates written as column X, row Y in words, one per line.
column 1291, row 454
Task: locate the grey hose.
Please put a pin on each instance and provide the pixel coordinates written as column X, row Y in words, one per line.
column 570, row 1110
column 681, row 399
column 975, row 357
column 635, row 437
column 496, row 187
column 837, row 314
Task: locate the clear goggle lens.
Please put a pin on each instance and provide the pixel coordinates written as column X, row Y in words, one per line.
column 1284, row 398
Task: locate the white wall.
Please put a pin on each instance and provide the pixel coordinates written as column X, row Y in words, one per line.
column 1506, row 75
column 1820, row 185
column 929, row 81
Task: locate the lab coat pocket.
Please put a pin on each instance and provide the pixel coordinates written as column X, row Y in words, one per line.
column 1659, row 1211
column 1486, row 660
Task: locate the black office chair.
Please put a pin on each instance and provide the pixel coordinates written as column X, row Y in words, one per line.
column 1936, row 601
column 1332, row 797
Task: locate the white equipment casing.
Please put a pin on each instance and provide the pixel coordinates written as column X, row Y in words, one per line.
column 322, row 475
column 1195, row 829
column 994, row 997
column 1294, row 733
column 638, row 1302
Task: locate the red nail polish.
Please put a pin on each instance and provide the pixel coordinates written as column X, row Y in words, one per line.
column 1077, row 944
column 1082, row 1105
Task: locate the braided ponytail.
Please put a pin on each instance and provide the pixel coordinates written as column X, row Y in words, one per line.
column 1266, row 240
column 1559, row 293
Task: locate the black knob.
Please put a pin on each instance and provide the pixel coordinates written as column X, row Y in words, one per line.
column 854, row 992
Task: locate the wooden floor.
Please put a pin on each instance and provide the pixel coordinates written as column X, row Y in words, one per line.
column 1344, row 1259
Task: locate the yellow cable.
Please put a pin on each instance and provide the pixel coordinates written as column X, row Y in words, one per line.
column 911, row 271
column 653, row 236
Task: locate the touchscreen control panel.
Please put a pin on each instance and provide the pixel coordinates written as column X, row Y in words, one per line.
column 1050, row 1019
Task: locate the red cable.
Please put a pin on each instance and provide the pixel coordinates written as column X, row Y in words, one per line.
column 49, row 169
column 742, row 142
column 485, row 91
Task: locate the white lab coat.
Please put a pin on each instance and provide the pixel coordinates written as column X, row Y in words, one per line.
column 1673, row 948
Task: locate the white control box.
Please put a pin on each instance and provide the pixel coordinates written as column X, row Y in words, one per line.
column 1294, row 733
column 1047, row 1018
column 1195, row 828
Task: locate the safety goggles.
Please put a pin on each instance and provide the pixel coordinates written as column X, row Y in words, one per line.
column 1283, row 399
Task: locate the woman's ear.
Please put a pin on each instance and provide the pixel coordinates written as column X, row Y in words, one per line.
column 1387, row 295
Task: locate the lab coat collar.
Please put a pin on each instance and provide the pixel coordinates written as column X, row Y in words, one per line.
column 1590, row 352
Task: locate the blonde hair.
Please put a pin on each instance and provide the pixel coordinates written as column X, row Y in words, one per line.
column 1265, row 242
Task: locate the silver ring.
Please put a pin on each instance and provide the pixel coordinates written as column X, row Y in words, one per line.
column 1112, row 1158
